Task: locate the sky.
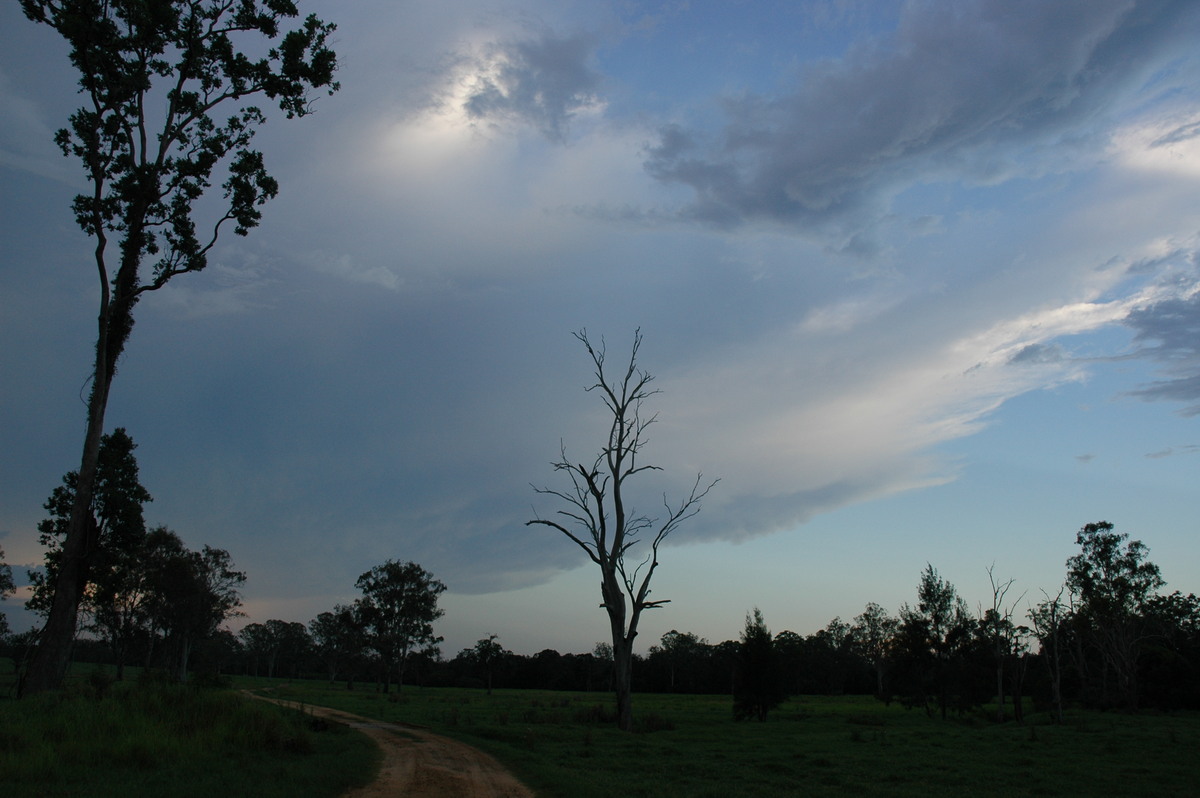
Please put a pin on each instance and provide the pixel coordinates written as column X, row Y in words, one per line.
column 919, row 282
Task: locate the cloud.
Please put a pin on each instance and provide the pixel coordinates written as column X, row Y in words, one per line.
column 1167, row 332
column 977, row 90
column 1037, row 354
column 543, row 82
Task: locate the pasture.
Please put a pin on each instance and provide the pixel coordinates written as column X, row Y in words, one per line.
column 124, row 740
column 565, row 744
column 130, row 739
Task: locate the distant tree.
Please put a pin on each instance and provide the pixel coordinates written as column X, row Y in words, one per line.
column 153, row 74
column 1172, row 656
column 337, row 638
column 1005, row 640
column 194, row 592
column 1048, row 619
column 289, row 644
column 682, row 652
column 256, row 644
column 7, row 588
column 398, row 608
column 936, row 635
column 602, row 660
column 1112, row 581
column 487, row 652
column 757, row 681
column 597, row 515
column 831, row 658
column 873, row 636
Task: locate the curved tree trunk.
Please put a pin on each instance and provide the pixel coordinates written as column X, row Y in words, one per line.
column 48, row 667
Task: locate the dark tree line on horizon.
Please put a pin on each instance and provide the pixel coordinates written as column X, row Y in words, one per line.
column 1110, row 639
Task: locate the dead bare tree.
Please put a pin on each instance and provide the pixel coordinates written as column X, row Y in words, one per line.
column 1004, row 636
column 596, row 516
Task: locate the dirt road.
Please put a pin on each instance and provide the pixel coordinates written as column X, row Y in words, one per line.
column 417, row 762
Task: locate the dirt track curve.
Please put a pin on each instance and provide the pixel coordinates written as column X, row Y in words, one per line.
column 417, row 762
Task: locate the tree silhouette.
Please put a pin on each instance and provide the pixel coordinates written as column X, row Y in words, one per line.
column 153, row 74
column 1112, row 585
column 758, row 680
column 111, row 577
column 598, row 518
column 397, row 609
column 6, row 589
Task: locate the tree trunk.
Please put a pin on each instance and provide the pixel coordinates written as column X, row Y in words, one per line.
column 185, row 651
column 999, row 690
column 623, row 682
column 48, row 667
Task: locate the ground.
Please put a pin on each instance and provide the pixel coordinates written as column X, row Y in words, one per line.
column 418, row 763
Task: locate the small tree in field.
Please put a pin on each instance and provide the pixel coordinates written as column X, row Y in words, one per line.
column 757, row 678
column 154, row 74
column 596, row 515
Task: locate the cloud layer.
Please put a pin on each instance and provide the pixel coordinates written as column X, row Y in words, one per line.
column 846, row 257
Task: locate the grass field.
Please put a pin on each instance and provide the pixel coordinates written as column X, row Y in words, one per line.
column 155, row 740
column 127, row 740
column 564, row 744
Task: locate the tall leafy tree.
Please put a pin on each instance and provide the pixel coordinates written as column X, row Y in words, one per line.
column 194, row 592
column 1112, row 582
column 154, row 74
column 398, row 608
column 597, row 513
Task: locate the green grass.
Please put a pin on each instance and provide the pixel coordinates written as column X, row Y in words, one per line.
column 564, row 744
column 132, row 740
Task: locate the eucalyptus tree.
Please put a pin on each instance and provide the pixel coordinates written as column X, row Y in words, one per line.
column 598, row 517
column 154, row 74
column 397, row 610
column 1112, row 582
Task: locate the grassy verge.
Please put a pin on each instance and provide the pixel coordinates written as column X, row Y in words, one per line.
column 563, row 744
column 131, row 740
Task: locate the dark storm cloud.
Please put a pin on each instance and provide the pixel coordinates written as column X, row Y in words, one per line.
column 543, row 82
column 971, row 89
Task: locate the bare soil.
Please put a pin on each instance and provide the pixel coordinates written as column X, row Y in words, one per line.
column 417, row 762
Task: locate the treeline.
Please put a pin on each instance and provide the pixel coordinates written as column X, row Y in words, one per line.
column 1108, row 638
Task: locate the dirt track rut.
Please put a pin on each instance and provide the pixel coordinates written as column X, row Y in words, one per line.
column 417, row 762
